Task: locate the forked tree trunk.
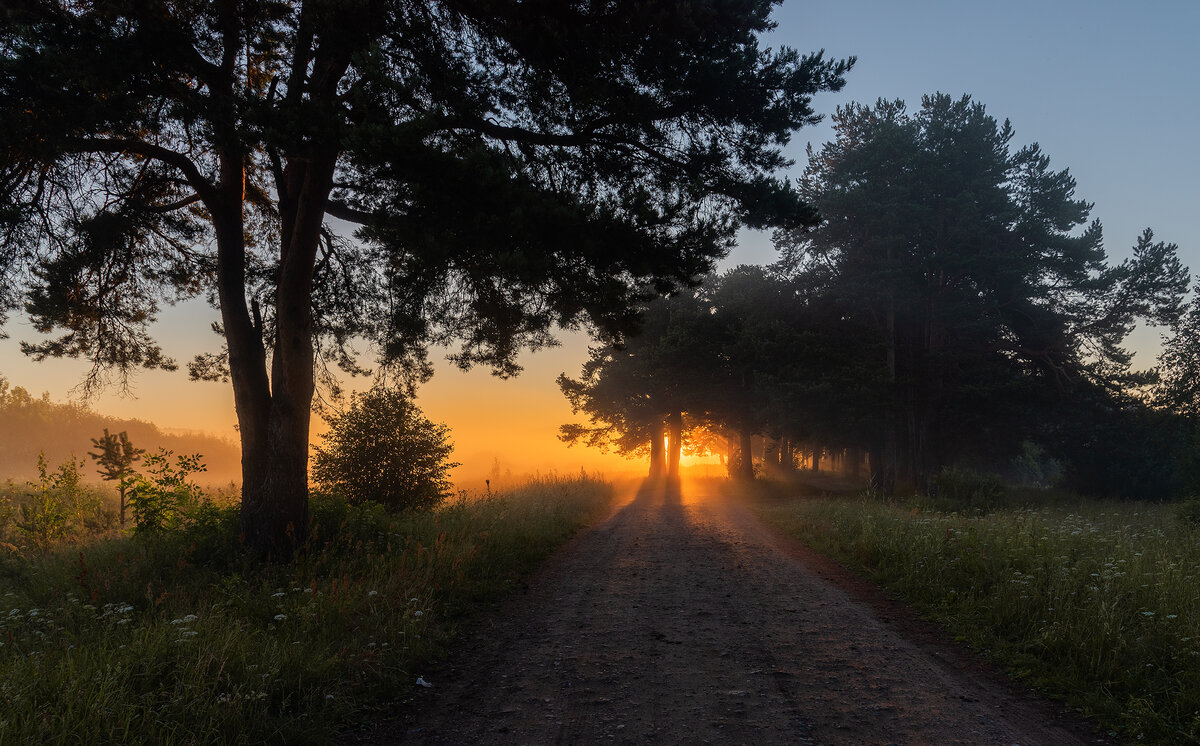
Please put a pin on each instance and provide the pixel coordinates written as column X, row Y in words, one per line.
column 675, row 442
column 273, row 415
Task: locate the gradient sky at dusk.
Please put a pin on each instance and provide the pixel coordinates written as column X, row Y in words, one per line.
column 1110, row 90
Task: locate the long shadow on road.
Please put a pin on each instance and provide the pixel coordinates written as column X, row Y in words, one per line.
column 680, row 620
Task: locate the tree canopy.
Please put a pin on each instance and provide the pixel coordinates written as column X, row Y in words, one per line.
column 503, row 168
column 955, row 306
column 977, row 267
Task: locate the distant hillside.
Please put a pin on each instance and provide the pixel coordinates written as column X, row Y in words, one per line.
column 29, row 425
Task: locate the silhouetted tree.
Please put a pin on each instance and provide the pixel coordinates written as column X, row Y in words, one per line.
column 746, row 353
column 630, row 392
column 383, row 449
column 965, row 258
column 509, row 166
column 1179, row 364
column 115, row 458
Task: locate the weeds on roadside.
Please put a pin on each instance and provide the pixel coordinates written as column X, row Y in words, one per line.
column 1097, row 603
column 175, row 637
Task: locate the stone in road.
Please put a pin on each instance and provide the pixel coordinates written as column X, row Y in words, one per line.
column 681, row 619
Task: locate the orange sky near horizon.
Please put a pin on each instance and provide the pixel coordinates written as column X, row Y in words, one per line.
column 513, row 422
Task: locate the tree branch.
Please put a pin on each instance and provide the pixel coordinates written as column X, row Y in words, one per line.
column 203, row 187
column 172, row 206
column 342, row 211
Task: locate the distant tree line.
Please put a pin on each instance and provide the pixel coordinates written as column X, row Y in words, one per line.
column 955, row 306
column 32, row 424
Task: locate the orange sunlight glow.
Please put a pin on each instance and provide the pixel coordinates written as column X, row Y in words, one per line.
column 502, row 430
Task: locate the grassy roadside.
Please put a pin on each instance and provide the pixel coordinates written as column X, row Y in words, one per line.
column 176, row 639
column 1096, row 603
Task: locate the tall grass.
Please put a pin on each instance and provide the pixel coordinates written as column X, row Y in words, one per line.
column 179, row 639
column 1098, row 604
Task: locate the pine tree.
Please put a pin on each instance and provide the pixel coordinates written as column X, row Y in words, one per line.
column 114, row 459
column 504, row 167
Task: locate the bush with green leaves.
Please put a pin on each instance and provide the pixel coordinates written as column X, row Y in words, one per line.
column 966, row 491
column 383, row 449
column 163, row 497
column 58, row 505
column 1187, row 512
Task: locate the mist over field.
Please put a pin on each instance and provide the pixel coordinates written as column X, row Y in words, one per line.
column 31, row 424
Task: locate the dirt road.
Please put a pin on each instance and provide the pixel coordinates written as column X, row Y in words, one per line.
column 681, row 619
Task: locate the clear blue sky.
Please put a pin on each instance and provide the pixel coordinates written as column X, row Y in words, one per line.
column 1110, row 90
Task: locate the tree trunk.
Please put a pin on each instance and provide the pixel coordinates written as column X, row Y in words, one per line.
column 273, row 416
column 675, row 441
column 890, row 456
column 658, row 455
column 745, row 444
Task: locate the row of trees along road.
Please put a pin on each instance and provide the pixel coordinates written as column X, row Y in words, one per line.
column 954, row 301
column 503, row 167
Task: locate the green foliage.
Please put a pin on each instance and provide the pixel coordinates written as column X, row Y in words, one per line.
column 1033, row 467
column 163, row 499
column 1094, row 602
column 58, row 506
column 1187, row 512
column 183, row 639
column 749, row 350
column 1123, row 448
column 1178, row 388
column 968, row 490
column 383, row 449
column 506, row 173
column 115, row 458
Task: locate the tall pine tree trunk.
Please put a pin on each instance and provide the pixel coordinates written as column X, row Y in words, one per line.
column 890, row 452
column 658, row 451
column 675, row 442
column 745, row 445
column 273, row 414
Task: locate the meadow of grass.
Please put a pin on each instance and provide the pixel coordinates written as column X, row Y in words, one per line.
column 1097, row 603
column 178, row 638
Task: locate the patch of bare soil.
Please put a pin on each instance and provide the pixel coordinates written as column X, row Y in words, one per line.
column 682, row 619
